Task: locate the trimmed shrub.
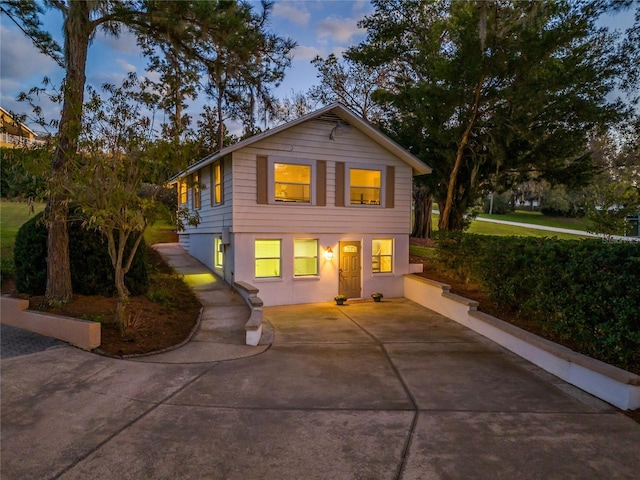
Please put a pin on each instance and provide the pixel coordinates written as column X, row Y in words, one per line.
column 583, row 291
column 30, row 257
column 91, row 269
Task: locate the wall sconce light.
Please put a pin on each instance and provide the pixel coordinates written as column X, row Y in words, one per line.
column 328, row 253
column 336, row 131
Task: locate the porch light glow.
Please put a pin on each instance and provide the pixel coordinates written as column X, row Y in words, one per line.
column 328, row 253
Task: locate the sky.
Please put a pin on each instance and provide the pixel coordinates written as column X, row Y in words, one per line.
column 319, row 27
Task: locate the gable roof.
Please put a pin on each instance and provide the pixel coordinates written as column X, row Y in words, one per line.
column 6, row 116
column 336, row 109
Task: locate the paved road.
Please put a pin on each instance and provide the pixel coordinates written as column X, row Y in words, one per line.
column 15, row 342
column 365, row 391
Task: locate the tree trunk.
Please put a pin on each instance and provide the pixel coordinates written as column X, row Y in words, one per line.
column 423, row 205
column 220, row 133
column 78, row 28
column 445, row 222
column 116, row 252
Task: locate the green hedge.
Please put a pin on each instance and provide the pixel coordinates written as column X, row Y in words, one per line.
column 583, row 291
column 91, row 269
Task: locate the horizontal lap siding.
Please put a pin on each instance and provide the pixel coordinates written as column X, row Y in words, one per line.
column 212, row 219
column 311, row 141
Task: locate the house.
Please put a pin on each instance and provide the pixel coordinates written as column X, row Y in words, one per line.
column 14, row 134
column 310, row 209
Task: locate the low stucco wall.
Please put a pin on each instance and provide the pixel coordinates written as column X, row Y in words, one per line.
column 253, row 327
column 81, row 333
column 609, row 383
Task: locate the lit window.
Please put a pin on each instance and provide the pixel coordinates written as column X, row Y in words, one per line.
column 292, row 183
column 216, row 183
column 267, row 258
column 218, row 253
column 382, row 255
column 305, row 261
column 365, row 187
column 182, row 187
column 196, row 190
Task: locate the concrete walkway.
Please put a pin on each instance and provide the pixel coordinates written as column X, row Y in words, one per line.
column 368, row 390
column 221, row 334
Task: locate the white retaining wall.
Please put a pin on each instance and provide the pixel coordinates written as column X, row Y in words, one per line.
column 609, row 383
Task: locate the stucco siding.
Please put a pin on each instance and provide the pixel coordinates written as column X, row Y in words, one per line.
column 288, row 289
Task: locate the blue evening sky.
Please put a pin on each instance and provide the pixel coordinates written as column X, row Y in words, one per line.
column 319, row 27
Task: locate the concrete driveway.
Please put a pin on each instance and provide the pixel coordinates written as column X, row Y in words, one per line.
column 363, row 391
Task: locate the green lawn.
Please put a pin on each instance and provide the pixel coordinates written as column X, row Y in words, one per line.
column 160, row 232
column 537, row 218
column 486, row 228
column 12, row 216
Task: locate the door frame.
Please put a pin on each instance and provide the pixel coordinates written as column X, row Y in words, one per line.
column 341, row 244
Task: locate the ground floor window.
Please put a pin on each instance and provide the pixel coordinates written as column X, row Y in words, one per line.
column 267, row 258
column 382, row 255
column 305, row 261
column 218, row 253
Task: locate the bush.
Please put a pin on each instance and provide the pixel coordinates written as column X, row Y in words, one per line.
column 586, row 292
column 91, row 269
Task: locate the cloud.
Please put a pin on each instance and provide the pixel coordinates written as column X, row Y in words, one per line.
column 20, row 59
column 302, row 52
column 125, row 42
column 126, row 66
column 292, row 11
column 339, row 29
column 360, row 5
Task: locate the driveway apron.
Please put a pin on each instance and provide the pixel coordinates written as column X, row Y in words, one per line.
column 367, row 390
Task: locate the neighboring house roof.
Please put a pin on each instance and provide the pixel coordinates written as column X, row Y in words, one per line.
column 19, row 127
column 340, row 111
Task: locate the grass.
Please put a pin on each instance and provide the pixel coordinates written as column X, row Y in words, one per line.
column 424, row 252
column 12, row 216
column 160, row 232
column 486, row 228
column 537, row 218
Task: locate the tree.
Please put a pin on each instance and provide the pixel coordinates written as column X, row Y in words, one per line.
column 350, row 83
column 114, row 153
column 243, row 65
column 291, row 107
column 614, row 194
column 484, row 91
column 186, row 27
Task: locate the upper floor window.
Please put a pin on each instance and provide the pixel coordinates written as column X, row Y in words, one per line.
column 365, row 187
column 182, row 191
column 381, row 255
column 305, row 257
column 216, row 183
column 292, row 182
column 267, row 258
column 196, row 190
